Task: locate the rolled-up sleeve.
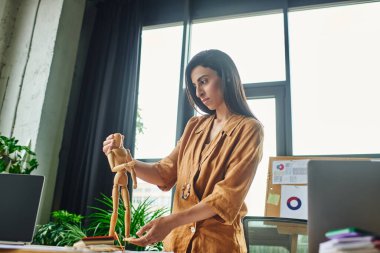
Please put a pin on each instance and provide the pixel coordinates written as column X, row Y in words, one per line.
column 167, row 169
column 228, row 194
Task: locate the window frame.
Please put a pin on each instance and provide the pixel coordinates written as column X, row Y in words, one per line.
column 186, row 13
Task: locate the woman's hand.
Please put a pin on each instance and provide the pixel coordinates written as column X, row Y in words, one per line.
column 158, row 229
column 154, row 231
column 109, row 144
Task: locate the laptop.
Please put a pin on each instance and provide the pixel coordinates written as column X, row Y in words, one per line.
column 19, row 197
column 342, row 194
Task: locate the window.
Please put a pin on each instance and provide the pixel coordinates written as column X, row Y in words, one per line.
column 255, row 43
column 310, row 76
column 265, row 111
column 335, row 62
column 157, row 102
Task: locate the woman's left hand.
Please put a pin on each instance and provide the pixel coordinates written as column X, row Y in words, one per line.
column 154, row 231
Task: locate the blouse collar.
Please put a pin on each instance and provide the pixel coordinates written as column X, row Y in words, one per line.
column 228, row 128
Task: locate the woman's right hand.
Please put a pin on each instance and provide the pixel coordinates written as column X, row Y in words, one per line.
column 155, row 231
column 109, row 144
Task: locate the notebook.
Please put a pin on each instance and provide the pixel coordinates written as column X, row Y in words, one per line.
column 342, row 194
column 19, row 197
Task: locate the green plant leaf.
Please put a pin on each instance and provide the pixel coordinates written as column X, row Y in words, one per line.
column 141, row 214
column 62, row 216
column 16, row 158
column 64, row 230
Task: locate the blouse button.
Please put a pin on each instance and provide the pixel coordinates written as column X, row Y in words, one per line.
column 192, row 229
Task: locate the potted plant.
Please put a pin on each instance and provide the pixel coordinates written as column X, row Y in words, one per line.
column 141, row 214
column 65, row 228
column 15, row 158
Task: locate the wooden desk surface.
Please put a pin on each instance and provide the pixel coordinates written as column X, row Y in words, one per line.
column 36, row 248
column 50, row 249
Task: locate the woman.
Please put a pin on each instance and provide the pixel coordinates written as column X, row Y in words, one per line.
column 212, row 166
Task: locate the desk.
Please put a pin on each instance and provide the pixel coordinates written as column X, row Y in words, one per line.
column 4, row 248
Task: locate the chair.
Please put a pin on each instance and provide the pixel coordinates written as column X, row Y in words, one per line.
column 275, row 235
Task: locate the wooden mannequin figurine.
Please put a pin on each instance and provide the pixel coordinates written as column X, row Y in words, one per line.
column 121, row 162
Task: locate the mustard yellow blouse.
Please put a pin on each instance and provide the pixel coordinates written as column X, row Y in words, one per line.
column 220, row 175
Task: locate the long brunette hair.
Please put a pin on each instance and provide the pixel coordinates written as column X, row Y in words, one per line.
column 231, row 85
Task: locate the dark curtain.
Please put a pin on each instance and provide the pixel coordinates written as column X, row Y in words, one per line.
column 105, row 103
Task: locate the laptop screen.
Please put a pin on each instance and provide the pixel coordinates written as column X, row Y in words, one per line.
column 19, row 197
column 342, row 194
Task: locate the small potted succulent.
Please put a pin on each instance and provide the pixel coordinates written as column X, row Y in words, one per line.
column 15, row 158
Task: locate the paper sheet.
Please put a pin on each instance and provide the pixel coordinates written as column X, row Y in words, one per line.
column 289, row 172
column 273, row 199
column 293, row 201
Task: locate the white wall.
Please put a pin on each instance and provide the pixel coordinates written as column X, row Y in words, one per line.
column 38, row 53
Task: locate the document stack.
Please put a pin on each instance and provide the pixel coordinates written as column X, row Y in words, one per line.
column 350, row 240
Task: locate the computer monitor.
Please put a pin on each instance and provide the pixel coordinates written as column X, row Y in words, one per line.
column 342, row 193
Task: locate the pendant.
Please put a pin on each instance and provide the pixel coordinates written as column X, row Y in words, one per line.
column 186, row 190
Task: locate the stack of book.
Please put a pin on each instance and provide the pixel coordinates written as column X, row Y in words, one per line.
column 350, row 240
column 96, row 240
column 98, row 243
